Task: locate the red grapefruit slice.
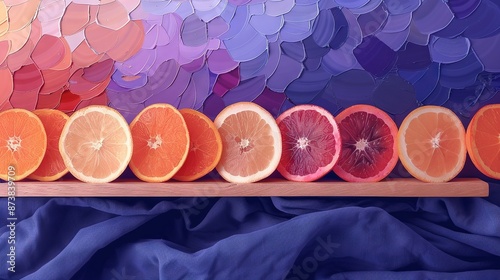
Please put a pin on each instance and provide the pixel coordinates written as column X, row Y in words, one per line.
column 311, row 143
column 369, row 150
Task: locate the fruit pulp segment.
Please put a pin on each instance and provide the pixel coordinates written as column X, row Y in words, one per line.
column 203, row 147
column 434, row 143
column 248, row 143
column 160, row 140
column 200, row 156
column 52, row 162
column 96, row 144
column 487, row 138
column 54, row 128
column 367, row 145
column 56, row 165
column 309, row 143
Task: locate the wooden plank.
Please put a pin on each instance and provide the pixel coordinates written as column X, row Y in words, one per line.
column 404, row 187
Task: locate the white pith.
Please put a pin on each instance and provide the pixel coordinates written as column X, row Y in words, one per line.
column 97, row 145
column 361, row 144
column 155, row 142
column 244, row 143
column 435, row 140
column 302, row 143
column 14, row 143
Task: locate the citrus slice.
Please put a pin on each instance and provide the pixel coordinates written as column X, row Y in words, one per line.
column 96, row 144
column 369, row 151
column 251, row 143
column 311, row 143
column 431, row 143
column 161, row 143
column 52, row 166
column 483, row 140
column 205, row 148
column 23, row 144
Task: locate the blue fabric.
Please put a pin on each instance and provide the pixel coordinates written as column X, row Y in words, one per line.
column 255, row 238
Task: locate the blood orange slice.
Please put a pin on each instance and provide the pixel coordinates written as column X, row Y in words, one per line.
column 311, row 143
column 23, row 143
column 431, row 143
column 369, row 150
column 52, row 166
column 251, row 143
column 483, row 140
column 161, row 143
column 205, row 146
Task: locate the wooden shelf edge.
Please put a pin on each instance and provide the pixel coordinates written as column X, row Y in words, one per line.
column 401, row 187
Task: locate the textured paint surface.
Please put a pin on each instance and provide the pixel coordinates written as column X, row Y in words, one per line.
column 205, row 55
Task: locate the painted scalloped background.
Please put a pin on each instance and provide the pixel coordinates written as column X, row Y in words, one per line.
column 206, row 54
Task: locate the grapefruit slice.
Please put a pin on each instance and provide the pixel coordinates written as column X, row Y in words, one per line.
column 369, row 151
column 161, row 143
column 483, row 140
column 205, row 148
column 251, row 142
column 431, row 143
column 52, row 166
column 96, row 144
column 311, row 143
column 23, row 144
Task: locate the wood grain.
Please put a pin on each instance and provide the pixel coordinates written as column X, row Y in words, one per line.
column 408, row 187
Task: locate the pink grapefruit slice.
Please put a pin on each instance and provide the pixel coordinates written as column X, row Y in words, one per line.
column 369, row 147
column 311, row 143
column 251, row 143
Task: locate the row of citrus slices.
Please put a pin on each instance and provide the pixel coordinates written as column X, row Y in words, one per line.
column 246, row 144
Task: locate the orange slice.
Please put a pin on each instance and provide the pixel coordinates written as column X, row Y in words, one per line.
column 251, row 142
column 483, row 140
column 161, row 143
column 96, row 144
column 431, row 143
column 52, row 166
column 205, row 147
column 23, row 144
